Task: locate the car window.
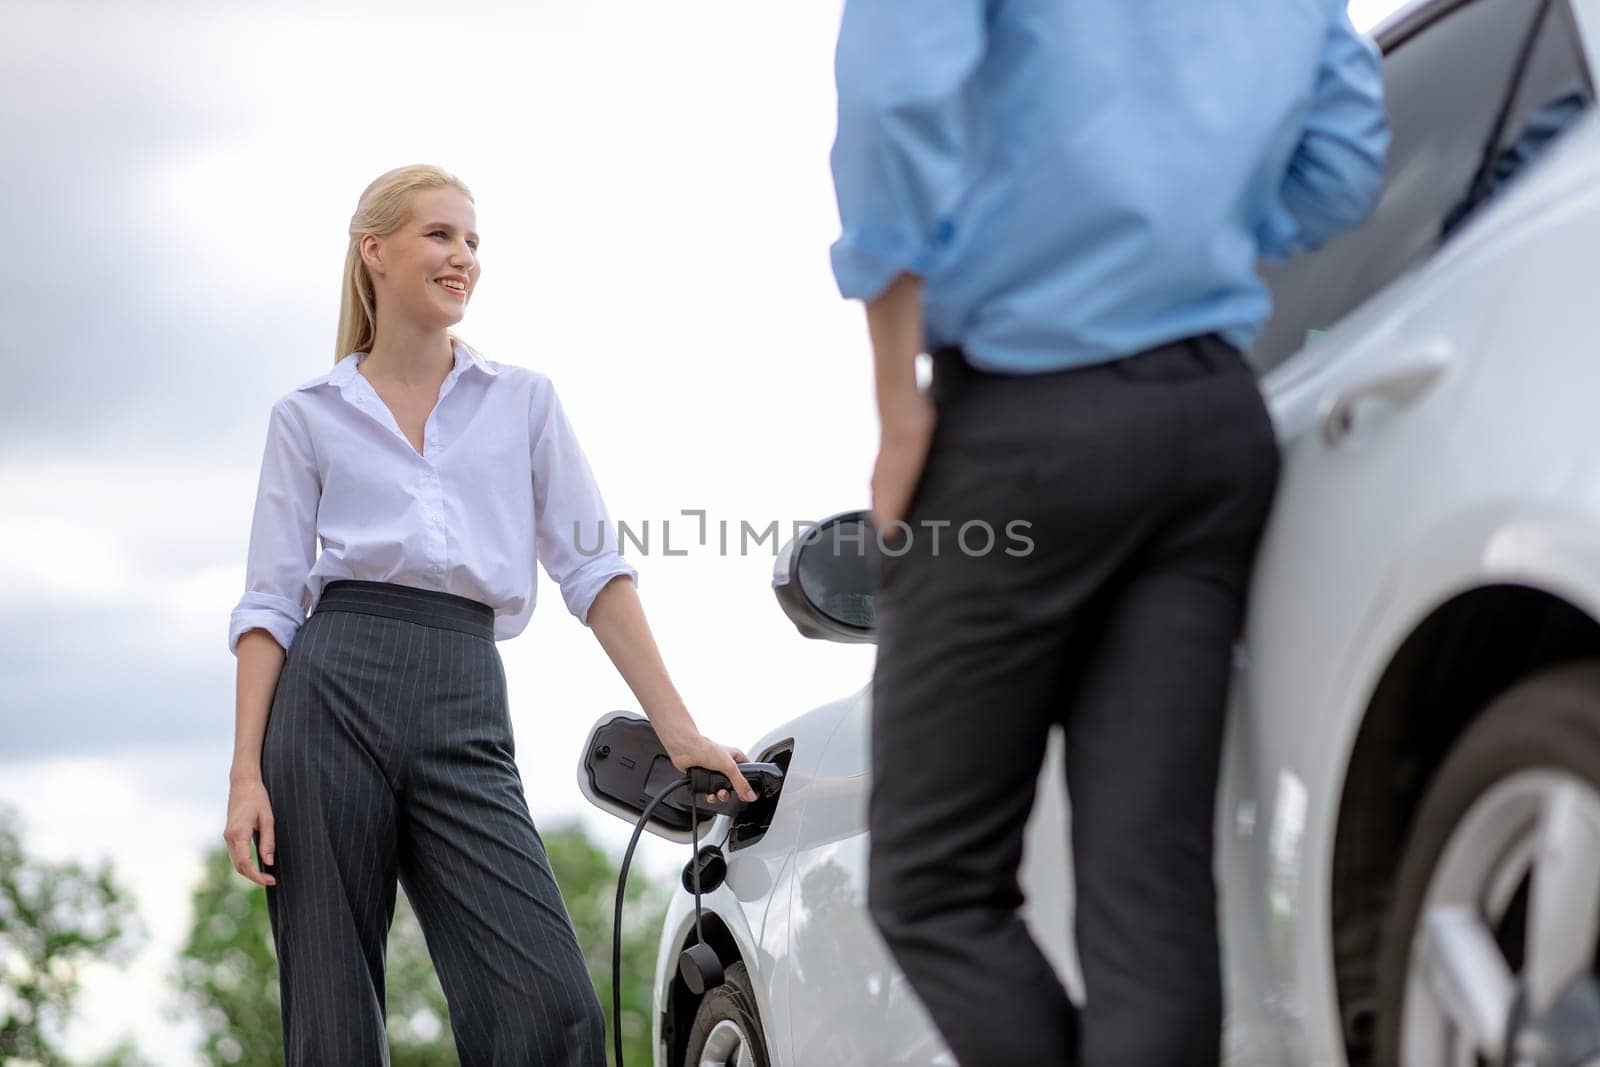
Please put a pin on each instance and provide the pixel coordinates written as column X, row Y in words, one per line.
column 1556, row 68
column 1444, row 87
column 1554, row 89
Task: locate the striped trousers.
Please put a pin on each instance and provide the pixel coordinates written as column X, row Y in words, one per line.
column 389, row 754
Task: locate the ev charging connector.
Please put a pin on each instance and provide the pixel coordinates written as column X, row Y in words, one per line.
column 626, row 770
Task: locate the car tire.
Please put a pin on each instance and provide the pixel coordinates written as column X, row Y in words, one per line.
column 727, row 1027
column 1537, row 741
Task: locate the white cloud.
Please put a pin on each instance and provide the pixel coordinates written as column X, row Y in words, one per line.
column 50, row 556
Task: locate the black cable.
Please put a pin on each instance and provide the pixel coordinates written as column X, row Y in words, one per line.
column 694, row 819
column 616, row 928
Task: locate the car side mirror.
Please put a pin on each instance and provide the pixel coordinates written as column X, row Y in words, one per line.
column 823, row 582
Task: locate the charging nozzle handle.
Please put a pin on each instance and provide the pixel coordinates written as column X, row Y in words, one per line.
column 703, row 781
column 765, row 778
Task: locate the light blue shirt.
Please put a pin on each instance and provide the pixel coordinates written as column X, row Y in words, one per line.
column 1078, row 180
column 500, row 484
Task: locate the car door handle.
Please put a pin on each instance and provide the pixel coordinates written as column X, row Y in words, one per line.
column 1397, row 390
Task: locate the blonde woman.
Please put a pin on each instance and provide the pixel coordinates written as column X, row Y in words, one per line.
column 373, row 740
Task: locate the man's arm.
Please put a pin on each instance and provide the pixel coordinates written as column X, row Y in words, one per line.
column 905, row 416
column 901, row 165
column 1336, row 175
column 900, row 159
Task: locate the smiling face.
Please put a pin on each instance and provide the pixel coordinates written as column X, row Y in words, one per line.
column 426, row 270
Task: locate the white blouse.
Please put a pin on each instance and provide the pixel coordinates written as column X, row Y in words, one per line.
column 500, row 483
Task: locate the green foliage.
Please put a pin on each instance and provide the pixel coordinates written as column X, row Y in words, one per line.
column 588, row 880
column 228, row 968
column 125, row 1054
column 54, row 920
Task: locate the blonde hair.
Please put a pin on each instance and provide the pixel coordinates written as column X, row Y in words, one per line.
column 384, row 207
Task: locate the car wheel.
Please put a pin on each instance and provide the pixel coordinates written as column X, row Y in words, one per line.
column 1489, row 953
column 727, row 1030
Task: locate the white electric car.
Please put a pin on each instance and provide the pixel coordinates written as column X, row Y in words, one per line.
column 1409, row 827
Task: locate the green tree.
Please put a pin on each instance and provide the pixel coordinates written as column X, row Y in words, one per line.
column 124, row 1054
column 55, row 919
column 588, row 880
column 228, row 969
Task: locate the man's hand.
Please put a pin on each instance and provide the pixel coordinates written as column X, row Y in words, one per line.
column 902, row 451
column 905, row 415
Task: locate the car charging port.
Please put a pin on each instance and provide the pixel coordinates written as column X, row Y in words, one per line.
column 751, row 822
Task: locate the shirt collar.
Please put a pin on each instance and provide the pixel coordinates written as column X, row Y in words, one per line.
column 344, row 372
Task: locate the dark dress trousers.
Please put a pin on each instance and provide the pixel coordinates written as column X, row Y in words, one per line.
column 1144, row 485
column 389, row 754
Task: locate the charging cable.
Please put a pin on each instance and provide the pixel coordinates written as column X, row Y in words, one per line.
column 766, row 779
column 622, row 884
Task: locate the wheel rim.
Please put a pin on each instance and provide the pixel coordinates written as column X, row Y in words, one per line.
column 1513, row 905
column 727, row 1046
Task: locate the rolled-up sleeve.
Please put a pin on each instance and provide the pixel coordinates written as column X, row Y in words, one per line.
column 1335, row 177
column 283, row 534
column 575, row 539
column 901, row 159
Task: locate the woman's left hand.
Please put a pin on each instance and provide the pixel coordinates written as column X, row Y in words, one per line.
column 701, row 751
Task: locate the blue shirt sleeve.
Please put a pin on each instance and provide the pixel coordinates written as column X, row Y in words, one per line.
column 900, row 160
column 1335, row 177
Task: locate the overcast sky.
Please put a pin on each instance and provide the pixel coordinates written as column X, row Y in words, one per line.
column 654, row 202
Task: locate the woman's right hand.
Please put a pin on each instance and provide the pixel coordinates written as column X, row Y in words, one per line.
column 249, row 810
column 701, row 751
